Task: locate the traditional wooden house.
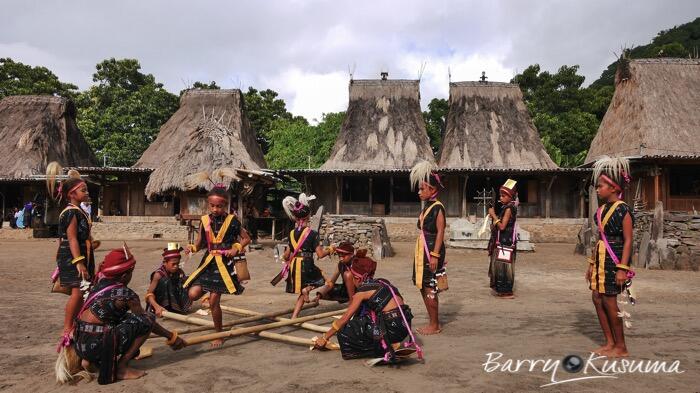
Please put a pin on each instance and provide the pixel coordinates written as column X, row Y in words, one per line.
column 382, row 137
column 490, row 137
column 654, row 119
column 209, row 131
column 36, row 130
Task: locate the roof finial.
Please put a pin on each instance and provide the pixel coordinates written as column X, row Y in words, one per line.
column 483, row 77
column 384, row 75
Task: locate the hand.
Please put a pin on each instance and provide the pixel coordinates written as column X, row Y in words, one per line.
column 320, row 343
column 82, row 271
column 159, row 311
column 588, row 273
column 433, row 264
column 188, row 250
column 620, row 277
column 96, row 244
column 178, row 344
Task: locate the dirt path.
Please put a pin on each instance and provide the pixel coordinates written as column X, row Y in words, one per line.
column 551, row 317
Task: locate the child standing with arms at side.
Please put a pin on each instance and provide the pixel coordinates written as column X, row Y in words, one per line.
column 609, row 266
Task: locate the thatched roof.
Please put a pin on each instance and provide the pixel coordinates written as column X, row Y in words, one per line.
column 383, row 127
column 655, row 111
column 36, row 130
column 488, row 126
column 209, row 131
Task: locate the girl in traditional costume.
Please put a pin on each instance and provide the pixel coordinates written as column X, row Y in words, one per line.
column 343, row 291
column 377, row 320
column 111, row 326
column 503, row 241
column 302, row 273
column 429, row 273
column 609, row 269
column 223, row 240
column 166, row 291
column 74, row 259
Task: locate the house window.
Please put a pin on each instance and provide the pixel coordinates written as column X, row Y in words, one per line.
column 684, row 181
column 355, row 189
column 402, row 190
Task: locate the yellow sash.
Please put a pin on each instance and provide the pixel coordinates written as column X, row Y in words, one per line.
column 600, row 247
column 211, row 239
column 295, row 264
column 420, row 249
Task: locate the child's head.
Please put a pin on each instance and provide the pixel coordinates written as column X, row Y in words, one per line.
column 605, row 190
column 171, row 257
column 363, row 268
column 118, row 265
column 298, row 210
column 346, row 251
column 426, row 191
column 507, row 192
column 217, row 199
column 611, row 175
column 75, row 190
column 425, row 178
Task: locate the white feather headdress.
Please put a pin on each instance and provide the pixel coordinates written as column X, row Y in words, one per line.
column 421, row 172
column 290, row 203
column 617, row 168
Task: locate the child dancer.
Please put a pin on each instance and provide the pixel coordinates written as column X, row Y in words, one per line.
column 503, row 241
column 429, row 257
column 609, row 268
column 166, row 290
column 74, row 259
column 346, row 289
column 223, row 239
column 303, row 274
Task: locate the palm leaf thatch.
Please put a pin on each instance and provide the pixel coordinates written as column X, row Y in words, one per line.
column 36, row 130
column 654, row 111
column 489, row 127
column 383, row 128
column 209, row 133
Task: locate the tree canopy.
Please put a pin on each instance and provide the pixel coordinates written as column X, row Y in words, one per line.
column 296, row 144
column 21, row 79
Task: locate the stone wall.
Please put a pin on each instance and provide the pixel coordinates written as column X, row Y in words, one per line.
column 672, row 245
column 364, row 232
column 139, row 231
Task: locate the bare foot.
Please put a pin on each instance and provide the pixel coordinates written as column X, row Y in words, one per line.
column 602, row 350
column 429, row 330
column 130, row 373
column 305, row 294
column 506, row 296
column 617, row 353
column 217, row 343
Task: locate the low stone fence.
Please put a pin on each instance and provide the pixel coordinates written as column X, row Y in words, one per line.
column 667, row 240
column 364, row 232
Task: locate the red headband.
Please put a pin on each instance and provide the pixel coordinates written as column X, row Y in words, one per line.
column 611, row 182
column 116, row 263
column 511, row 193
column 75, row 187
column 363, row 268
column 170, row 254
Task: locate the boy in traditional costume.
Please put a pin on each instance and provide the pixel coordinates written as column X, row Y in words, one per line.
column 300, row 268
column 75, row 263
column 609, row 269
column 377, row 320
column 503, row 241
column 166, row 291
column 223, row 240
column 111, row 325
column 429, row 273
column 344, row 291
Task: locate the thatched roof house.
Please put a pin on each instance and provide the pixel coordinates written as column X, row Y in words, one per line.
column 654, row 112
column 383, row 127
column 36, row 130
column 488, row 127
column 209, row 131
column 654, row 119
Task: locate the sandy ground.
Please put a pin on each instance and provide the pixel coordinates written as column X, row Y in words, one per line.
column 551, row 317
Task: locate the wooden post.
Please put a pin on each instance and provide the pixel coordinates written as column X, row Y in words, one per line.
column 582, row 199
column 548, row 198
column 128, row 199
column 338, row 193
column 657, row 187
column 370, row 196
column 463, row 213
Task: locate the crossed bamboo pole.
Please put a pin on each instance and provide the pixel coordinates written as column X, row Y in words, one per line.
column 241, row 311
column 259, row 330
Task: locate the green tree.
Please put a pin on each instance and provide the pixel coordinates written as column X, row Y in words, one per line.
column 121, row 114
column 202, row 85
column 435, row 121
column 566, row 115
column 21, row 79
column 296, row 144
column 263, row 109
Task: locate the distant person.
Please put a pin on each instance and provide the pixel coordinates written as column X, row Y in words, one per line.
column 251, row 217
column 19, row 219
column 114, row 209
column 13, row 218
column 87, row 207
column 28, row 214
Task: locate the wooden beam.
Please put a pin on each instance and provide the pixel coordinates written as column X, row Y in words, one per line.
column 463, row 211
column 391, row 193
column 128, row 199
column 338, row 193
column 370, row 196
column 548, row 198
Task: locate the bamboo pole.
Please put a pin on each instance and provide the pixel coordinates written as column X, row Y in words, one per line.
column 257, row 329
column 305, row 325
column 202, row 328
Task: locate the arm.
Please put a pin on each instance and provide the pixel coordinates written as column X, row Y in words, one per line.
column 349, row 283
column 330, row 282
column 504, row 221
column 439, row 239
column 78, row 259
column 624, row 265
column 338, row 324
column 150, row 295
column 239, row 247
column 177, row 343
column 324, row 252
column 197, row 245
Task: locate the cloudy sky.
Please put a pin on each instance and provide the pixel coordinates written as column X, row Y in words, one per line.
column 305, row 49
